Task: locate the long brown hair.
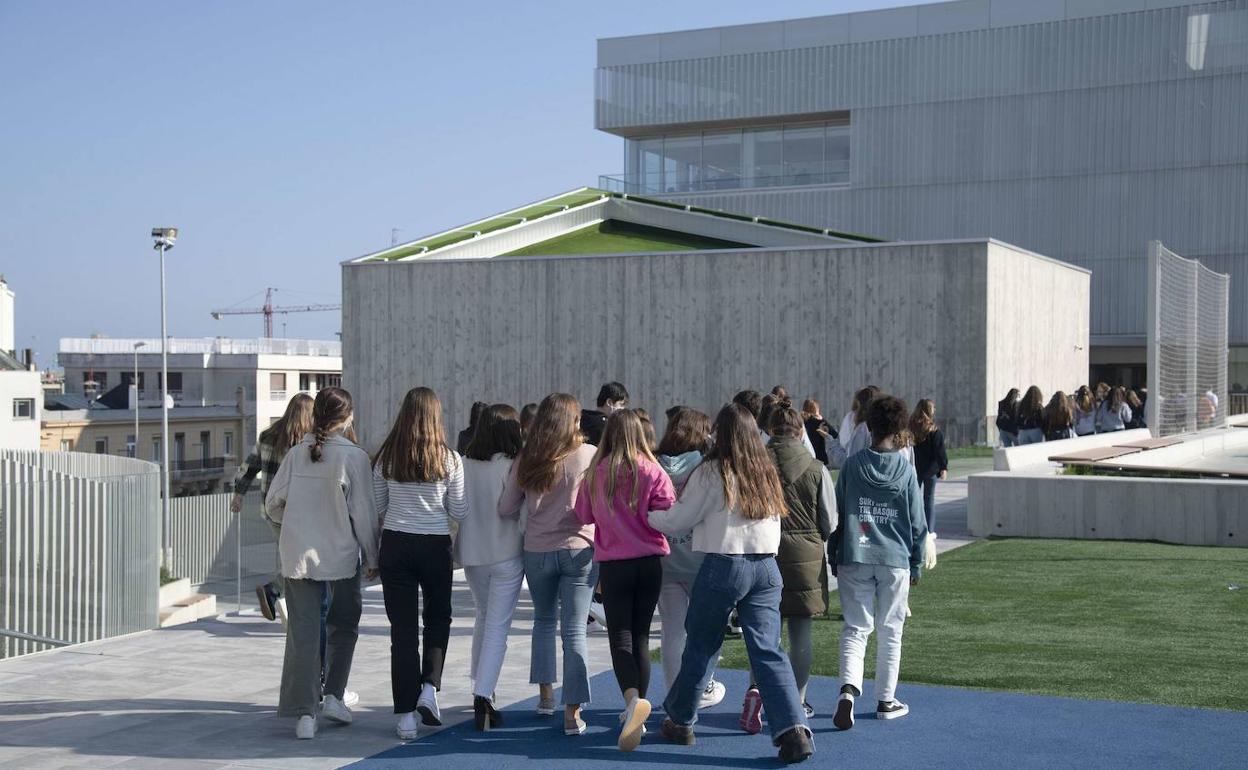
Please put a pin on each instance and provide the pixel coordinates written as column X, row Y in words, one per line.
column 416, row 449
column 1057, row 415
column 498, row 431
column 810, row 408
column 1117, row 396
column 647, row 429
column 1032, row 405
column 862, row 402
column 622, row 445
column 331, row 411
column 554, row 434
column 748, row 475
column 923, row 420
column 295, row 423
column 688, row 430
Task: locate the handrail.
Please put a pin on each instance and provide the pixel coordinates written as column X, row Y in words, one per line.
column 34, row 638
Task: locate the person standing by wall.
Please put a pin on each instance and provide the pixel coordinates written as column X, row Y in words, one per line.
column 733, row 503
column 1031, row 417
column 1113, row 414
column 418, row 485
column 558, row 550
column 877, row 554
column 490, row 548
column 623, row 484
column 931, row 461
column 818, row 430
column 612, row 397
column 1084, row 411
column 1059, row 418
column 321, row 497
column 1007, row 419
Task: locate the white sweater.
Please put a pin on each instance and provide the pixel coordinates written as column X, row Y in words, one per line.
column 484, row 537
column 716, row 528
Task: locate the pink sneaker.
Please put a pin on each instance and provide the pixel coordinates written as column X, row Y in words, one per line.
column 752, row 712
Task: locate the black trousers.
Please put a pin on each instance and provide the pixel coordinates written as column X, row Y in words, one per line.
column 412, row 565
column 630, row 592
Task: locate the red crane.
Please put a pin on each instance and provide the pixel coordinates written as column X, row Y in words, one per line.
column 269, row 310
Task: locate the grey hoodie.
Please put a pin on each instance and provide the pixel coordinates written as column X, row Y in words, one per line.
column 682, row 565
column 881, row 507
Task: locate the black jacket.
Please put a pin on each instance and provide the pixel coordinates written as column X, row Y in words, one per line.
column 930, row 457
column 592, row 424
column 812, row 431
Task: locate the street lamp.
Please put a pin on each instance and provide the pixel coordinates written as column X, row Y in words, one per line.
column 164, row 238
column 135, row 382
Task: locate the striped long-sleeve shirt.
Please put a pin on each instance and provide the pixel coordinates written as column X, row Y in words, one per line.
column 421, row 507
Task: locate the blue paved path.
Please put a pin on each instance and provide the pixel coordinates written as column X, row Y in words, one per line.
column 946, row 728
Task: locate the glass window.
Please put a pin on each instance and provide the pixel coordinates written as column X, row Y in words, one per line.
column 23, row 409
column 277, row 385
column 646, row 164
column 721, row 160
column 131, row 446
column 205, row 445
column 156, row 453
column 227, row 444
column 762, row 154
column 837, row 154
column 803, row 154
column 682, row 163
column 101, row 445
column 333, row 380
column 67, row 445
column 305, row 381
column 92, row 380
column 175, row 381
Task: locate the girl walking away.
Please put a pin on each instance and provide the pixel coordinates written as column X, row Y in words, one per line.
column 1059, row 419
column 527, row 413
column 1113, row 414
column 418, row 485
column 811, row 504
column 322, row 499
column 931, row 462
column 1137, row 410
column 1007, row 418
column 465, row 436
column 1031, row 417
column 558, row 550
column 685, row 442
column 623, row 484
column 1084, row 411
column 817, row 429
column 271, row 447
column 490, row 548
column 733, row 503
column 877, row 554
column 858, row 437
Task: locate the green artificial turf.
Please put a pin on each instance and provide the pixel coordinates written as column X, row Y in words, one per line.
column 613, row 237
column 968, row 452
column 1143, row 622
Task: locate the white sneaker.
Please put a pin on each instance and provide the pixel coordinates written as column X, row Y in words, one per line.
column 633, row 724
column 305, row 728
column 712, row 695
column 598, row 613
column 893, row 709
column 408, row 726
column 844, row 716
column 350, row 698
column 280, row 606
column 427, row 705
column 335, row 710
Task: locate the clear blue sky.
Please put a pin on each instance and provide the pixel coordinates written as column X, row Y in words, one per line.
column 283, row 138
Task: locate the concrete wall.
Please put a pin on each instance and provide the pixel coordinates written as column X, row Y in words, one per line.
column 690, row 328
column 1203, row 512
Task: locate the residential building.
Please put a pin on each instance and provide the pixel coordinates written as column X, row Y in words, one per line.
column 689, row 305
column 260, row 374
column 1079, row 130
column 205, row 441
column 21, row 394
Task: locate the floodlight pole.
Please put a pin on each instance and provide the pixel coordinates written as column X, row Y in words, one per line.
column 166, row 549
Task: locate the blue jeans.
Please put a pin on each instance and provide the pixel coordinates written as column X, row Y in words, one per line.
column 561, row 581
column 1008, row 439
column 1030, row 436
column 752, row 584
column 929, row 501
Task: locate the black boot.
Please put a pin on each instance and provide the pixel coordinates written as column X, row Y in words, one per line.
column 484, row 715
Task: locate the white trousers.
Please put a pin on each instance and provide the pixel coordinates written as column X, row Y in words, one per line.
column 673, row 605
column 495, row 592
column 872, row 595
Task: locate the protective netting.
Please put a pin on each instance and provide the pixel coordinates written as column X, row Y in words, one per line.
column 1187, row 345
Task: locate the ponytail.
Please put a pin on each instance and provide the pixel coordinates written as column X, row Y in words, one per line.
column 330, row 412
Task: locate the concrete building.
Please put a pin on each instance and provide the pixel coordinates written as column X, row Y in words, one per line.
column 21, row 394
column 1078, row 129
column 687, row 306
column 261, row 374
column 206, row 441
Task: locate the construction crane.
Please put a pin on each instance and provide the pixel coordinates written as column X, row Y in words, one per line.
column 268, row 311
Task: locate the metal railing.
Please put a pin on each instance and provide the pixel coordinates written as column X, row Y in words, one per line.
column 651, row 184
column 221, row 345
column 79, row 548
column 1237, row 403
column 221, row 552
column 210, row 465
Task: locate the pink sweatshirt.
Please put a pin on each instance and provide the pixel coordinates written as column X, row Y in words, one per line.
column 621, row 529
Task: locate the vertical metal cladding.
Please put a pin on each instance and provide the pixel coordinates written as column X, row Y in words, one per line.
column 80, row 547
column 1082, row 139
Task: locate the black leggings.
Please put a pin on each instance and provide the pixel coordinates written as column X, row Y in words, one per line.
column 630, row 592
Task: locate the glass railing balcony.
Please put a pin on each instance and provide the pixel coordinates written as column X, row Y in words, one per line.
column 660, row 184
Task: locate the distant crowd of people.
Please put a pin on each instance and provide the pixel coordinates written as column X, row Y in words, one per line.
column 724, row 521
column 1102, row 409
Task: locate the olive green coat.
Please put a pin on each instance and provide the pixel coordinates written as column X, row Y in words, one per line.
column 808, row 493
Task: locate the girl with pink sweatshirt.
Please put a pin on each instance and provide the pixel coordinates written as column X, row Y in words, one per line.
column 624, row 483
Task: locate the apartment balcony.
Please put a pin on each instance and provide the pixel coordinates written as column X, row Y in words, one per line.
column 186, row 470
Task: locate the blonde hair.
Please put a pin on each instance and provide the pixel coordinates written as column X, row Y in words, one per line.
column 923, row 420
column 554, row 434
column 623, row 443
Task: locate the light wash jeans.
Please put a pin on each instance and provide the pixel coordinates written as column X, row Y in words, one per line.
column 872, row 594
column 561, row 584
column 495, row 592
column 1030, row 436
column 752, row 584
column 1008, row 439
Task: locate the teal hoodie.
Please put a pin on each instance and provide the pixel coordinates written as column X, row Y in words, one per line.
column 683, row 563
column 881, row 506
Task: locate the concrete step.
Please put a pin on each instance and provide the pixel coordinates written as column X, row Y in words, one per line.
column 172, row 593
column 188, row 610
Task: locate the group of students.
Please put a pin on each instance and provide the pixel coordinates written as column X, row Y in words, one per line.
column 732, row 516
column 1029, row 420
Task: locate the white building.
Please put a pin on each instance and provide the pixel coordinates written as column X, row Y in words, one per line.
column 21, row 393
column 260, row 375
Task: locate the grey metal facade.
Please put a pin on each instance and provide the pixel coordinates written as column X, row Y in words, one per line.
column 1080, row 130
